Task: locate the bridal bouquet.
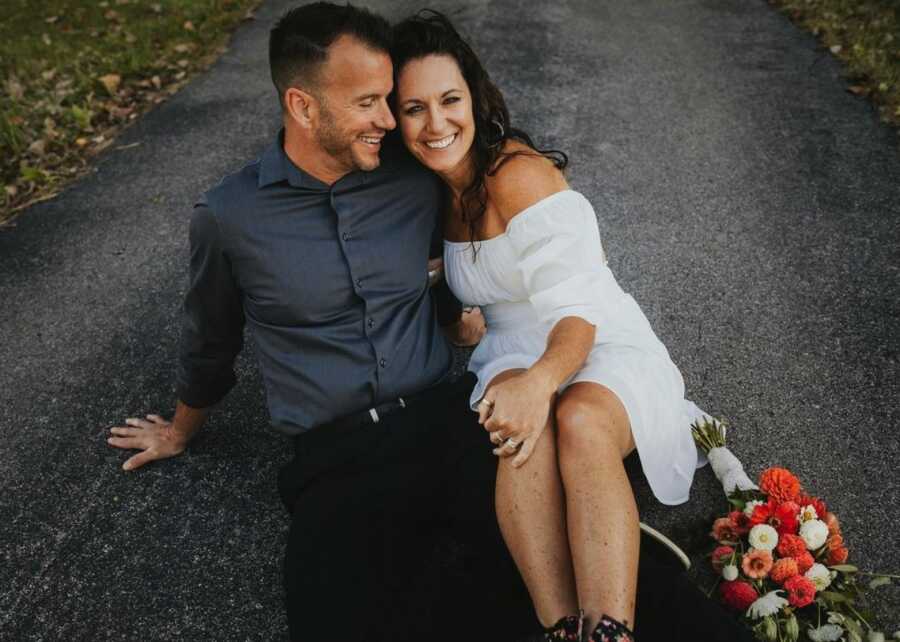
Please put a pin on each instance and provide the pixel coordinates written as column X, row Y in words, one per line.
column 781, row 556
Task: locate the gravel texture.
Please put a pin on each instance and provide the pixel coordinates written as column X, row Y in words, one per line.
column 748, row 202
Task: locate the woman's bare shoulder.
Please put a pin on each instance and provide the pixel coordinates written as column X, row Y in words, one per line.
column 523, row 179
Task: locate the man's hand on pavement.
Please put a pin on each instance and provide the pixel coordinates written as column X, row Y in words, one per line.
column 153, row 436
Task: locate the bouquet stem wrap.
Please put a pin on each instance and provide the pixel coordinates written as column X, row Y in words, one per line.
column 729, row 470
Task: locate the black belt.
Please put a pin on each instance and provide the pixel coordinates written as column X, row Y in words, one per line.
column 372, row 415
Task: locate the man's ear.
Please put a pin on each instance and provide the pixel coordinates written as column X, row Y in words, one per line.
column 301, row 107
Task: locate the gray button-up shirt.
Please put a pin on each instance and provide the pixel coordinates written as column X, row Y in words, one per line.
column 331, row 281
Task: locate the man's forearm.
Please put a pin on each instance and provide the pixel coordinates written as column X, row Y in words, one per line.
column 187, row 421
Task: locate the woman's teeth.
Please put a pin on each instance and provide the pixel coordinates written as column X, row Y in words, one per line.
column 442, row 143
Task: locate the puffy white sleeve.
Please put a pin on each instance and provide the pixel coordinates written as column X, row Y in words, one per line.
column 560, row 257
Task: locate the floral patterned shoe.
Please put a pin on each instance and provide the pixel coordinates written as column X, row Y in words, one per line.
column 568, row 629
column 610, row 630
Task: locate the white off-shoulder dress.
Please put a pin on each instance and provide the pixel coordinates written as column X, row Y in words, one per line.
column 550, row 264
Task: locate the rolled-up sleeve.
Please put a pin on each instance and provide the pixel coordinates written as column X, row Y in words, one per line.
column 212, row 324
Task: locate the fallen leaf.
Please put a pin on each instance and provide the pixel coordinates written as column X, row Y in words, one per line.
column 180, row 75
column 103, row 4
column 156, row 7
column 38, row 147
column 120, row 112
column 144, row 84
column 49, row 74
column 857, row 90
column 188, row 25
column 835, row 49
column 130, row 38
column 46, row 39
column 49, row 125
column 82, row 142
column 114, row 15
column 14, row 88
column 17, row 120
column 99, row 139
column 156, row 82
column 11, row 190
column 183, row 48
column 111, row 82
column 183, row 63
column 51, row 19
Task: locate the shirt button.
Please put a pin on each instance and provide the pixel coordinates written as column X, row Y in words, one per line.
column 345, row 236
column 371, row 323
column 382, row 363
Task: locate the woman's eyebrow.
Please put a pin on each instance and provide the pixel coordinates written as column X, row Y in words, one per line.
column 418, row 100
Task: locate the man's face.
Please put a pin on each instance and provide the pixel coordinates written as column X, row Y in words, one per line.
column 354, row 115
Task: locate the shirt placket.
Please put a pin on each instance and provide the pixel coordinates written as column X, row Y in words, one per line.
column 361, row 275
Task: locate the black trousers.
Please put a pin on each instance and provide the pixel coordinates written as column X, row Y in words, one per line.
column 378, row 510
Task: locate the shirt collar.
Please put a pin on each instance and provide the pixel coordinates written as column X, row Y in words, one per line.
column 275, row 167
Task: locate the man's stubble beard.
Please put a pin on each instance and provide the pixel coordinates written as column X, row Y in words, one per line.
column 330, row 137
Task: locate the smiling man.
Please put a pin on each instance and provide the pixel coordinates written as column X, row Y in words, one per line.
column 320, row 249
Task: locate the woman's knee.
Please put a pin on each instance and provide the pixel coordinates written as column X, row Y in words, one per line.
column 588, row 421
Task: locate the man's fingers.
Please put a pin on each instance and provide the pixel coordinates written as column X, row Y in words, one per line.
column 139, row 423
column 156, row 419
column 124, row 431
column 138, row 460
column 128, row 443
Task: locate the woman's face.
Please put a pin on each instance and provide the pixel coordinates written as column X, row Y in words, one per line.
column 434, row 109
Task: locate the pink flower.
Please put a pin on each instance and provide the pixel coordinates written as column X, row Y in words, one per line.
column 757, row 564
column 724, row 531
column 721, row 556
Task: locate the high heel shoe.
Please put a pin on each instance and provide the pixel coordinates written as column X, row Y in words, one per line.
column 567, row 629
column 611, row 630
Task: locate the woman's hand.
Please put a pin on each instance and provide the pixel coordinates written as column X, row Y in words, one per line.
column 515, row 412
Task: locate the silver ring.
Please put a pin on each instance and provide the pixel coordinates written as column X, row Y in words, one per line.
column 487, row 401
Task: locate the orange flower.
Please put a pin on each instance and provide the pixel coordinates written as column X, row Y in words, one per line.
column 834, row 526
column 804, row 561
column 784, row 569
column 835, row 541
column 791, row 545
column 838, row 556
column 780, row 484
column 757, row 564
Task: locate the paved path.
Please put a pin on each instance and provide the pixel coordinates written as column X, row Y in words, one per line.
column 747, row 201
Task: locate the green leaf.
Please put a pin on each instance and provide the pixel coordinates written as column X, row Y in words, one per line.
column 82, row 117
column 879, row 581
column 831, row 596
column 844, row 568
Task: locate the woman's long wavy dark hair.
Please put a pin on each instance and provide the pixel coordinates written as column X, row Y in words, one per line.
column 430, row 32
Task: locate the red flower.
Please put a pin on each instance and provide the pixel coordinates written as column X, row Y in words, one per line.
column 790, row 545
column 721, row 556
column 780, row 484
column 724, row 531
column 783, row 569
column 739, row 595
column 740, row 522
column 815, row 502
column 835, row 541
column 801, row 591
column 804, row 561
column 838, row 555
column 781, row 517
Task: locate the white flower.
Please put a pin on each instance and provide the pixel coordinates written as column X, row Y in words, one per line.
column 826, row 633
column 764, row 537
column 820, row 576
column 768, row 604
column 749, row 506
column 814, row 533
column 729, row 573
column 807, row 513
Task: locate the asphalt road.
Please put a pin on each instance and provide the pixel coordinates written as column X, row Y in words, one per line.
column 746, row 199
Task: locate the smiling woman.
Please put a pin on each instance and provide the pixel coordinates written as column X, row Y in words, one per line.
column 74, row 73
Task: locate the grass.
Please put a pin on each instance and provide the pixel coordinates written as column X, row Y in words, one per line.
column 75, row 72
column 865, row 34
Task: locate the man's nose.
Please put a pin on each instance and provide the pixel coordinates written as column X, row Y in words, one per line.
column 385, row 117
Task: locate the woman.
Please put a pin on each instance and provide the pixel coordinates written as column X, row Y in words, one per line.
column 562, row 337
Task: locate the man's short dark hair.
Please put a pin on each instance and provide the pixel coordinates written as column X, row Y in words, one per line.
column 298, row 43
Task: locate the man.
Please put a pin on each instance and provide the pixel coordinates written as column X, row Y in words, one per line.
column 320, row 247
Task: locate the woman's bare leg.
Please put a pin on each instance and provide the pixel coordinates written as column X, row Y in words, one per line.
column 594, row 435
column 531, row 513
